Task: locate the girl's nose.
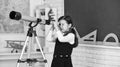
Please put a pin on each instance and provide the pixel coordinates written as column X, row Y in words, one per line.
column 61, row 26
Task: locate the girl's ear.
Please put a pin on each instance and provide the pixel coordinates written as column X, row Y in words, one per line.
column 70, row 25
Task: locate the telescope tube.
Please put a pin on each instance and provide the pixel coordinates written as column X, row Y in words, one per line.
column 18, row 16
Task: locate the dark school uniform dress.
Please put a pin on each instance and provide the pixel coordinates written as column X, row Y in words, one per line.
column 62, row 54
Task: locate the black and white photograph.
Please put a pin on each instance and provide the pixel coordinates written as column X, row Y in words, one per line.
column 59, row 33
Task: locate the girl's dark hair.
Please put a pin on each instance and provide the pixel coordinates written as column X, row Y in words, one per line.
column 76, row 39
column 67, row 18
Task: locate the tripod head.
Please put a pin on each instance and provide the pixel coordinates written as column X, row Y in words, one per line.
column 31, row 31
column 30, row 24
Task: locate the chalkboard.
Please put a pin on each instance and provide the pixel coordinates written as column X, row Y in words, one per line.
column 89, row 15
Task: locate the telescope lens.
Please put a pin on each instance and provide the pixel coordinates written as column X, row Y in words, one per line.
column 15, row 15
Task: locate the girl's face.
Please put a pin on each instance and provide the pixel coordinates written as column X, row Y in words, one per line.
column 64, row 26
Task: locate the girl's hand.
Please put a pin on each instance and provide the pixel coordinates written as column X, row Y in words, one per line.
column 56, row 26
column 53, row 28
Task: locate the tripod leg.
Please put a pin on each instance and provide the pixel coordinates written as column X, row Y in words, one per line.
column 40, row 47
column 41, row 51
column 29, row 47
column 23, row 50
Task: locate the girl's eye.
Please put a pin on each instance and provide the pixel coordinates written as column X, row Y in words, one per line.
column 59, row 24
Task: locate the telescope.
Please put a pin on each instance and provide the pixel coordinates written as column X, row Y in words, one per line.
column 18, row 16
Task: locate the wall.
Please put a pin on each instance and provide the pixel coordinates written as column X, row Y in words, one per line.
column 6, row 24
column 86, row 55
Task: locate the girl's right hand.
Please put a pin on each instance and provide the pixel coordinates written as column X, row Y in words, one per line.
column 56, row 26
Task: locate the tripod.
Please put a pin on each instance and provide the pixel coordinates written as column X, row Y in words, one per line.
column 30, row 33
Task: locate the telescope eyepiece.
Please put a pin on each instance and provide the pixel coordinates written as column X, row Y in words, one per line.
column 39, row 20
column 15, row 15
